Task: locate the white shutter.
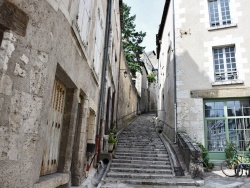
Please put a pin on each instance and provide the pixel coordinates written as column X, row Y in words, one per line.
column 98, row 47
column 84, row 18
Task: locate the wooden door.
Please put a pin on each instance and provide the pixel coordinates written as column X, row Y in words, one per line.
column 54, row 127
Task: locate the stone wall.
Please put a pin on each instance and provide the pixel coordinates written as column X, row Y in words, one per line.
column 29, row 65
column 144, row 100
column 128, row 97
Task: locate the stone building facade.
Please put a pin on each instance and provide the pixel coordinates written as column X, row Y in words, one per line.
column 204, row 85
column 58, row 88
column 146, row 90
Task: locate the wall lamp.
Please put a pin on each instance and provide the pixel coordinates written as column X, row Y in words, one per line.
column 125, row 73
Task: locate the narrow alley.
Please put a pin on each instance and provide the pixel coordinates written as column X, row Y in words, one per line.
column 86, row 101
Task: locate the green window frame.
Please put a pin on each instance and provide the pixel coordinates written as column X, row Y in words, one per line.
column 226, row 120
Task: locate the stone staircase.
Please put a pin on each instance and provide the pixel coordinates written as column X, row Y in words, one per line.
column 141, row 159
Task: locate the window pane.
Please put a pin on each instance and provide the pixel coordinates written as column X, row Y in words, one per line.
column 209, row 105
column 219, row 105
column 216, row 135
column 243, row 134
column 225, row 11
column 214, row 13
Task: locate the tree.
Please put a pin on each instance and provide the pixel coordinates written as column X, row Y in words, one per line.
column 132, row 40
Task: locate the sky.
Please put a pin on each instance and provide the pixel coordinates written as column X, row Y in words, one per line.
column 148, row 18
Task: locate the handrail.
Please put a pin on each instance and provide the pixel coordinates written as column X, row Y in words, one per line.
column 165, row 123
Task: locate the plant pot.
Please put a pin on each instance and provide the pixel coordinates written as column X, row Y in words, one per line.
column 111, row 146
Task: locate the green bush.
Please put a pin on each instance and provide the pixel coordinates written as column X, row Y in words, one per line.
column 151, row 78
column 229, row 150
column 205, row 157
column 112, row 138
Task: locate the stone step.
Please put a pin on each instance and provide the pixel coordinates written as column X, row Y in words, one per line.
column 166, row 162
column 144, row 134
column 140, row 165
column 137, row 175
column 150, row 183
column 148, row 146
column 139, row 140
column 136, row 142
column 141, row 170
column 123, row 185
column 125, row 152
column 141, row 158
column 141, row 154
column 142, row 148
column 139, row 135
column 118, row 149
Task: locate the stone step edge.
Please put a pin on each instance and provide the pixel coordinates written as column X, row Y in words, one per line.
column 142, row 165
column 138, row 175
column 170, row 181
column 144, row 170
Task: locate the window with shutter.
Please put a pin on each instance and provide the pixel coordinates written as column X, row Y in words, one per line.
column 98, row 43
column 83, row 20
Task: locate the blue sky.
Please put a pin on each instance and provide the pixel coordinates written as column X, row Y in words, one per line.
column 148, row 18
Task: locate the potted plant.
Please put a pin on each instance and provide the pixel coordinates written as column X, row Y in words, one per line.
column 111, row 142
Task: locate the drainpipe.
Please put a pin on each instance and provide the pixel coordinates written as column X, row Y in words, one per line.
column 175, row 92
column 118, row 94
column 103, row 81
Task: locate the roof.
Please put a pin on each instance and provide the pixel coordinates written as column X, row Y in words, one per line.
column 161, row 28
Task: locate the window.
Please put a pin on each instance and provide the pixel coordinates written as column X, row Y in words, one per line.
column 233, row 126
column 83, row 20
column 225, row 64
column 219, row 12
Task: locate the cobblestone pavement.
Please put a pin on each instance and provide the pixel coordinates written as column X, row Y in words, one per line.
column 216, row 179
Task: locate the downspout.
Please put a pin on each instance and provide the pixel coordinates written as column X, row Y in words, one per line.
column 175, row 90
column 118, row 94
column 103, row 81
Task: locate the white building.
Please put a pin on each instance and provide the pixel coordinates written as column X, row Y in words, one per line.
column 204, row 80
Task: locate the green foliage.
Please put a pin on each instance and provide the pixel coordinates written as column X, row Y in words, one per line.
column 205, row 157
column 132, row 40
column 113, row 131
column 151, row 78
column 229, row 150
column 112, row 138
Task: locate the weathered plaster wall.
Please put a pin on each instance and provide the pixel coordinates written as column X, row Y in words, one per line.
column 153, row 93
column 144, row 100
column 28, row 67
column 128, row 96
column 165, row 109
